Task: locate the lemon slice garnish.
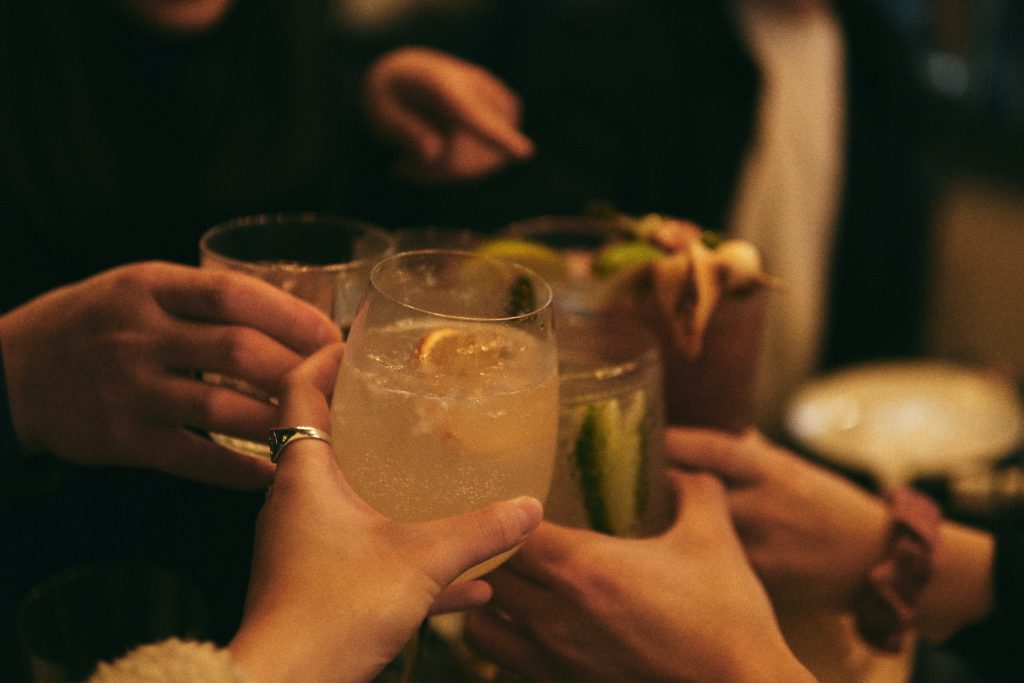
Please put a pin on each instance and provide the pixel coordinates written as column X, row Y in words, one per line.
column 459, row 352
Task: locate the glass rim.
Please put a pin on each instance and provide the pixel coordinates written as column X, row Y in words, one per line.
column 541, row 304
column 295, row 218
column 643, row 352
column 546, row 224
column 94, row 569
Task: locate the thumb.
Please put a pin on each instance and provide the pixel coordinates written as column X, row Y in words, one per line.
column 479, row 535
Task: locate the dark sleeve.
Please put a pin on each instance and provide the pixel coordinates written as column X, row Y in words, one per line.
column 994, row 648
column 8, row 439
column 23, row 477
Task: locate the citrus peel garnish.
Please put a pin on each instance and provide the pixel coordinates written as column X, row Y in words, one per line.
column 687, row 290
column 459, row 352
column 695, row 271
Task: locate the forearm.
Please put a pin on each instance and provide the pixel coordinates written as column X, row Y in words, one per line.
column 11, row 425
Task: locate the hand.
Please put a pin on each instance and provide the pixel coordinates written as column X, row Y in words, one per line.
column 577, row 605
column 337, row 589
column 811, row 535
column 103, row 372
column 450, row 119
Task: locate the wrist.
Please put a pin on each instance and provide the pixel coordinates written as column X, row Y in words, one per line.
column 268, row 652
column 775, row 665
column 887, row 601
column 284, row 645
column 962, row 591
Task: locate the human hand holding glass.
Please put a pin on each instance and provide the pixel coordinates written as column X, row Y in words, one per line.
column 448, row 393
column 812, row 534
column 115, row 357
column 317, row 603
column 684, row 605
column 322, row 259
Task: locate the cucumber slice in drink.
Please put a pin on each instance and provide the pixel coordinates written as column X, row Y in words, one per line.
column 610, row 458
column 636, row 430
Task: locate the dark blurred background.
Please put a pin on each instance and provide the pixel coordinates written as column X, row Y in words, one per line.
column 971, row 60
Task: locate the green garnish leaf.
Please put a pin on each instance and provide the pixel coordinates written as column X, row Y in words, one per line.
column 711, row 238
column 622, row 255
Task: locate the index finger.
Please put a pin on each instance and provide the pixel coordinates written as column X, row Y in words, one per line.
column 304, row 395
column 707, row 450
column 547, row 554
column 304, row 403
column 235, row 298
column 489, row 124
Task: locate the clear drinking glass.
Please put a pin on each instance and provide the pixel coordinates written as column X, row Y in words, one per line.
column 609, row 471
column 322, row 259
column 447, row 395
column 578, row 289
column 436, row 237
column 717, row 388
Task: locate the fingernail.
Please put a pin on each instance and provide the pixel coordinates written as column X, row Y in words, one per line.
column 530, row 512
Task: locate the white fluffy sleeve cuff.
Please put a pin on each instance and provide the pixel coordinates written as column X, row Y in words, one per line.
column 172, row 661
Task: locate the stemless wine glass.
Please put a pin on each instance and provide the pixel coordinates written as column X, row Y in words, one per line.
column 447, row 396
column 320, row 258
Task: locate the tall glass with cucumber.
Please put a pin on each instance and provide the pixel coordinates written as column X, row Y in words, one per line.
column 608, row 473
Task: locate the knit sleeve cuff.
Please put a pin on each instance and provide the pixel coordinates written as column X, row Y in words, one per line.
column 172, row 660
